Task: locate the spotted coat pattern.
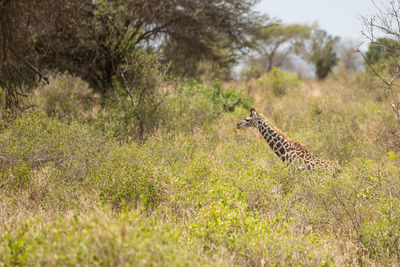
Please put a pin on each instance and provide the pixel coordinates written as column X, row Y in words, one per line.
column 290, row 151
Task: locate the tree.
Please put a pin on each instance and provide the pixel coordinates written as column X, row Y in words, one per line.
column 275, row 43
column 182, row 32
column 348, row 56
column 380, row 54
column 320, row 51
column 21, row 22
column 385, row 23
column 280, row 45
column 84, row 37
column 208, row 31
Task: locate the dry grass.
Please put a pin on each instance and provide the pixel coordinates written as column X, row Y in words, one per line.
column 203, row 193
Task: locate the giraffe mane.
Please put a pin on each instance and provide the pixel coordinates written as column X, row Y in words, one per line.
column 300, row 145
column 295, row 143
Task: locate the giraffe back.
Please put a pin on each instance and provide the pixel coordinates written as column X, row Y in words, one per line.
column 288, row 150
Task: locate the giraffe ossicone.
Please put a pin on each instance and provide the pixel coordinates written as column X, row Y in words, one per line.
column 288, row 150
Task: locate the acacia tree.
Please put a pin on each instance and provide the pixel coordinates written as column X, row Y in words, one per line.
column 84, row 37
column 21, row 21
column 214, row 31
column 320, row 51
column 276, row 42
column 182, row 32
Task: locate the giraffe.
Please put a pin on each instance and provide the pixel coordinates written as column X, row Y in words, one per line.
column 288, row 150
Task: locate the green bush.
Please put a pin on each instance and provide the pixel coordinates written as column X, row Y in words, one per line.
column 193, row 105
column 381, row 235
column 217, row 196
column 252, row 72
column 199, row 192
column 37, row 140
column 126, row 179
column 144, row 103
column 382, row 55
column 46, row 162
column 131, row 110
column 279, row 82
column 100, row 239
column 229, row 98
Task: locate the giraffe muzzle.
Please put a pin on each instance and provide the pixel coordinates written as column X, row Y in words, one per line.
column 239, row 125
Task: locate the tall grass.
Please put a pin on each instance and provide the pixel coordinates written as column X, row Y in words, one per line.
column 199, row 192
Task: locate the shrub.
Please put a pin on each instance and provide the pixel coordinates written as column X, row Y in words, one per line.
column 46, row 163
column 71, row 158
column 252, row 72
column 65, row 96
column 200, row 192
column 138, row 93
column 278, row 81
column 36, row 140
column 102, row 239
column 193, row 105
column 229, row 98
column 125, row 179
column 380, row 236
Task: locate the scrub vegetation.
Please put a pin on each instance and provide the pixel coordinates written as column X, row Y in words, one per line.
column 148, row 168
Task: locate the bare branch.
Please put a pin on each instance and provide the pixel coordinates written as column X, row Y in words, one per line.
column 126, row 86
column 386, row 21
column 372, row 68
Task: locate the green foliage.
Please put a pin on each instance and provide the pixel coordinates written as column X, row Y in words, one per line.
column 215, row 197
column 20, row 175
column 125, row 179
column 343, row 125
column 193, row 105
column 359, row 204
column 15, row 247
column 381, row 235
column 275, row 43
column 199, row 192
column 37, row 140
column 132, row 110
column 183, row 106
column 229, row 98
column 382, row 53
column 320, row 51
column 279, row 82
column 88, row 37
column 252, row 72
column 145, row 97
column 49, row 159
column 160, row 176
column 97, row 239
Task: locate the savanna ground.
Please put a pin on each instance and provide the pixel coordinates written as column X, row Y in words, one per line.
column 76, row 190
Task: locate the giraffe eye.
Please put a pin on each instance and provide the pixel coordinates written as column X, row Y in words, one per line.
column 247, row 119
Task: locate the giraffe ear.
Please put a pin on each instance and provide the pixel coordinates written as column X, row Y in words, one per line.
column 253, row 112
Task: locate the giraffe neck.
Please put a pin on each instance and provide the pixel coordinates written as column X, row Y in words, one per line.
column 276, row 140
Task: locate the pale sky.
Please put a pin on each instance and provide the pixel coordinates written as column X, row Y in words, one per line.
column 338, row 17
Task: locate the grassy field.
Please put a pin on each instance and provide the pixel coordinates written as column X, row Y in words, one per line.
column 75, row 190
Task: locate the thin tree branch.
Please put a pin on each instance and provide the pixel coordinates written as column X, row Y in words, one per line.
column 372, row 68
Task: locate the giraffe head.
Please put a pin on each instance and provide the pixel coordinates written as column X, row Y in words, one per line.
column 249, row 121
